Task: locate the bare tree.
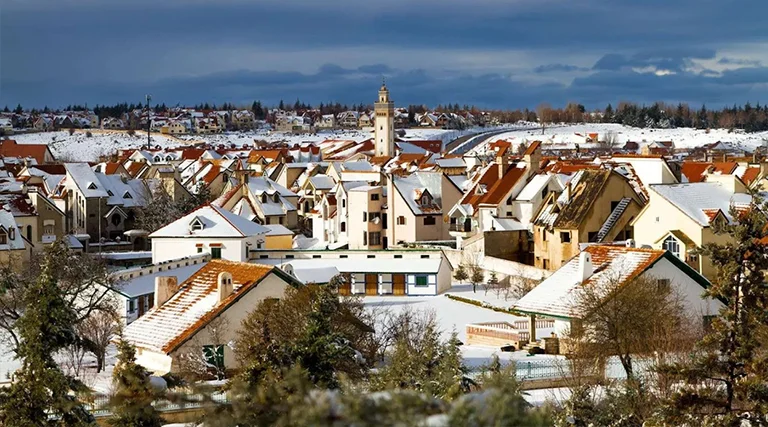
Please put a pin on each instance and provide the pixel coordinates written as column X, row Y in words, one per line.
column 641, row 317
column 96, row 333
column 610, row 141
column 200, row 361
column 84, row 281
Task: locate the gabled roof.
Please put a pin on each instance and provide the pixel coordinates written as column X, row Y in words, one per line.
column 217, row 222
column 10, row 148
column 414, row 186
column 556, row 295
column 697, row 199
column 196, row 303
column 491, row 190
column 569, row 210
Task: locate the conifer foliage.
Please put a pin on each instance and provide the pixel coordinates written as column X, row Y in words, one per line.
column 132, row 402
column 41, row 393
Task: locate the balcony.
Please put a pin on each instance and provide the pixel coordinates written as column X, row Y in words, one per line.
column 463, row 229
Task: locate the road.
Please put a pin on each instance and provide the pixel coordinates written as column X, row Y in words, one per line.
column 468, row 142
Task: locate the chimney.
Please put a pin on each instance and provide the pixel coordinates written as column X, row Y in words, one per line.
column 501, row 160
column 585, row 265
column 225, row 288
column 568, row 190
column 165, row 287
column 630, row 243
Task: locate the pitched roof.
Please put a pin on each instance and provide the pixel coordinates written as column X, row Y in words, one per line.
column 694, row 171
column 489, row 189
column 10, row 148
column 196, row 303
column 217, row 222
column 750, row 174
column 556, row 295
column 569, row 210
column 698, row 200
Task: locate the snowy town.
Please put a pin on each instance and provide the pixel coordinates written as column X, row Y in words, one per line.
column 201, row 247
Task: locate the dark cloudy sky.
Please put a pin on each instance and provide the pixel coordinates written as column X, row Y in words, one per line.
column 493, row 53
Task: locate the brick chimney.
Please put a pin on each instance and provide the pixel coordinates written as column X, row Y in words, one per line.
column 165, row 287
column 501, row 160
column 225, row 287
column 585, row 265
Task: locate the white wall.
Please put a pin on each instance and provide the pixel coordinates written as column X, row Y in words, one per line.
column 689, row 289
column 232, row 249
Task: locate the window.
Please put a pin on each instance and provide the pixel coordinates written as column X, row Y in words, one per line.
column 12, row 233
column 343, row 227
column 280, row 220
column 429, row 220
column 565, row 236
column 614, row 205
column 374, row 197
column 544, row 193
column 343, row 256
column 592, row 236
column 29, row 233
column 48, row 229
column 543, row 235
column 289, row 256
column 424, row 256
column 131, row 305
column 110, row 193
column 214, row 355
column 91, row 186
column 401, row 220
column 453, row 221
column 365, row 216
column 545, row 264
column 215, row 253
column 365, row 238
column 373, row 216
column 398, row 256
column 200, row 250
column 370, row 256
column 671, row 244
column 315, row 256
column 196, row 225
column 343, row 203
column 115, row 219
column 509, row 201
column 384, row 221
column 663, row 285
column 127, row 195
column 421, row 281
column 263, row 256
column 375, row 238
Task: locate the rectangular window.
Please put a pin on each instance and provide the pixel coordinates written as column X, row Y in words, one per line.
column 663, row 285
column 509, row 201
column 264, row 256
column 343, row 256
column 544, row 193
column 365, row 216
column 592, row 236
column 384, row 221
column 565, row 236
column 281, row 220
column 401, row 220
column 215, row 253
column 365, row 238
column 3, row 238
column 374, row 216
column 375, row 238
column 398, row 256
column 131, row 305
column 424, row 256
column 214, row 356
column 200, row 249
column 371, row 256
column 543, row 235
column 545, row 264
column 421, row 281
column 386, row 278
column 374, row 197
column 429, row 220
column 343, row 203
column 289, row 256
column 315, row 256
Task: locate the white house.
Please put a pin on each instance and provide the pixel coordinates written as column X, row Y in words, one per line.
column 598, row 264
column 210, row 229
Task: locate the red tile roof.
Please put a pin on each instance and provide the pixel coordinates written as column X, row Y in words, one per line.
column 10, row 148
column 694, row 171
column 751, row 174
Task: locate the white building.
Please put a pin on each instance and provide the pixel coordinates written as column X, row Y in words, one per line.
column 597, row 265
column 210, row 229
column 384, row 124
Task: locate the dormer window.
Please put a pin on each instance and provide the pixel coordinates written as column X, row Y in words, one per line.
column 127, row 195
column 276, row 197
column 92, row 186
column 196, row 225
column 3, row 237
column 264, row 198
column 424, row 200
column 109, row 192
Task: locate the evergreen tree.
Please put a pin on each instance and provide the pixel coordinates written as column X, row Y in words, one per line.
column 728, row 379
column 461, row 273
column 41, row 394
column 132, row 403
column 281, row 106
column 18, row 109
column 6, row 110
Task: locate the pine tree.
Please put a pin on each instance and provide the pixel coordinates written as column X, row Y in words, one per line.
column 18, row 109
column 132, row 402
column 728, row 379
column 461, row 273
column 6, row 110
column 41, row 394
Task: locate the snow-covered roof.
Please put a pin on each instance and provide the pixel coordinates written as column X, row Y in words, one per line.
column 373, row 265
column 413, row 187
column 322, row 182
column 166, row 327
column 145, row 283
column 14, row 241
column 215, row 222
column 696, row 198
column 86, row 180
column 316, row 274
column 558, row 293
column 278, row 230
column 534, row 187
column 453, row 162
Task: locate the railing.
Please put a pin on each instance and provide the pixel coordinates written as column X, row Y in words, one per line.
column 461, row 228
column 100, row 405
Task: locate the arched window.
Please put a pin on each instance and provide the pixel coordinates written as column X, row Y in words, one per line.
column 115, row 219
column 671, row 244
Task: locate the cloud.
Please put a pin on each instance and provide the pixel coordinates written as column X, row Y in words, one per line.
column 554, row 68
column 738, row 61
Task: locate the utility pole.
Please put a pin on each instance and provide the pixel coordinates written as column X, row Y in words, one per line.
column 149, row 123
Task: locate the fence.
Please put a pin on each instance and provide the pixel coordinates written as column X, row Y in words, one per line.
column 100, row 405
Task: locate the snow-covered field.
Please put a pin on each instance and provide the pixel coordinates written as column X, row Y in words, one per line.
column 80, row 147
column 566, row 136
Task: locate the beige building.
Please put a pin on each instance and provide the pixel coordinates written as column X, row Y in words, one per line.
column 384, row 124
column 679, row 218
column 415, row 207
column 367, row 218
column 596, row 206
column 202, row 315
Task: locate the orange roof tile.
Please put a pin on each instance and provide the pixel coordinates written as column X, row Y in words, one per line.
column 751, row 174
column 694, row 171
column 10, row 148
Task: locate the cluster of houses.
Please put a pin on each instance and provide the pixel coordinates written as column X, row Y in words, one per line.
column 384, row 214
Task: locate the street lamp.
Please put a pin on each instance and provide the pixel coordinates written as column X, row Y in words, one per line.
column 149, row 123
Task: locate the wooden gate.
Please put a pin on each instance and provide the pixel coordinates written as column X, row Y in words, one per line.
column 371, row 284
column 398, row 284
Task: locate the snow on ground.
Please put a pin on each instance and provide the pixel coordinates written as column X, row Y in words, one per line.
column 498, row 300
column 240, row 138
column 566, row 136
column 452, row 316
column 81, row 148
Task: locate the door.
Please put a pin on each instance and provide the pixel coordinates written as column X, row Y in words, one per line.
column 398, row 284
column 141, row 305
column 345, row 288
column 371, row 284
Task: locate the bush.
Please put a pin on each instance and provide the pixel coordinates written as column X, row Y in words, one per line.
column 71, row 131
column 88, row 134
column 131, row 132
column 535, row 350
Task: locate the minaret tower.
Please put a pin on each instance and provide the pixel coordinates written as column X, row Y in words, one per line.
column 384, row 123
